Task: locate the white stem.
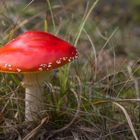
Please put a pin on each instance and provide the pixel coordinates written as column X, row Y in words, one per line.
column 33, row 95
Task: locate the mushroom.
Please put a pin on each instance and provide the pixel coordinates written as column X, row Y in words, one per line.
column 34, row 54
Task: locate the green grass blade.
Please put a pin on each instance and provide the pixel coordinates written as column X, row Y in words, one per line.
column 84, row 21
column 52, row 16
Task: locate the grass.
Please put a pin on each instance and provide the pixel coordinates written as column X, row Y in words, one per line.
column 97, row 96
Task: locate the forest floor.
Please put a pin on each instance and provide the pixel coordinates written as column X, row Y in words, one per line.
column 98, row 96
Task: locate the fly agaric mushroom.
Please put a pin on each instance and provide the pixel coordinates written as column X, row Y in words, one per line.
column 33, row 53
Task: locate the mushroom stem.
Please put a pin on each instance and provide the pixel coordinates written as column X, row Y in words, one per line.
column 33, row 95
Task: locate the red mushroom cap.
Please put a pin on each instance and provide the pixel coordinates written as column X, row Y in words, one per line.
column 35, row 51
